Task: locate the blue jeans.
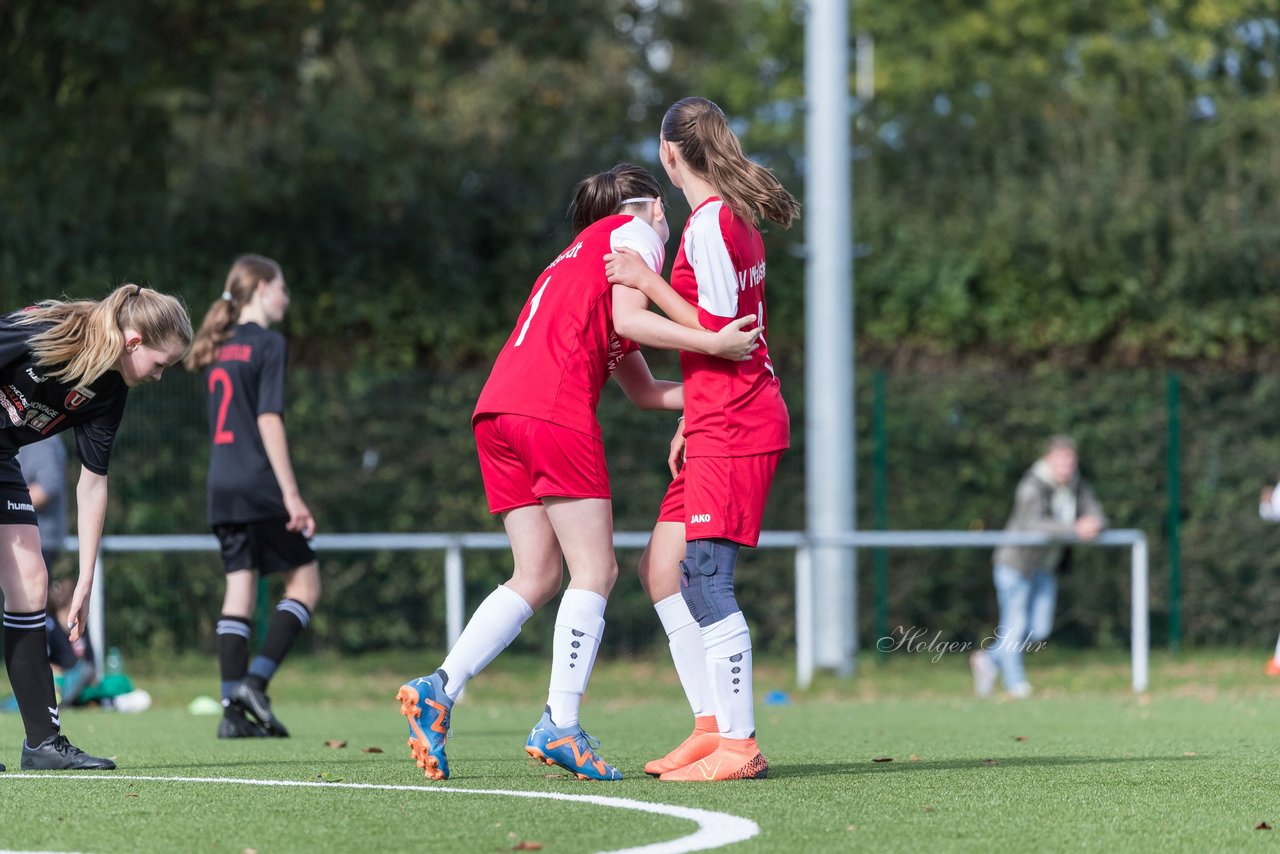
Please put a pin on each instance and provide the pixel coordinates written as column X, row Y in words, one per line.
column 1026, row 617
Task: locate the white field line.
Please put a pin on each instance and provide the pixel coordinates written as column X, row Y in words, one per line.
column 715, row 829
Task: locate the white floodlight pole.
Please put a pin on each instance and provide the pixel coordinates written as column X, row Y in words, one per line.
column 829, row 426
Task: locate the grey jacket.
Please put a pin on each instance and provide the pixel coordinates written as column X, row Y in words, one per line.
column 44, row 463
column 1034, row 510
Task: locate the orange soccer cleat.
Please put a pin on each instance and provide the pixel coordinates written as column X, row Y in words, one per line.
column 702, row 742
column 1273, row 667
column 734, row 759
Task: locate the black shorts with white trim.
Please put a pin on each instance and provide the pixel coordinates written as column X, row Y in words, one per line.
column 15, row 499
column 266, row 546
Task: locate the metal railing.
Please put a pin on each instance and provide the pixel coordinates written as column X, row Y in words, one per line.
column 454, row 546
column 1139, row 578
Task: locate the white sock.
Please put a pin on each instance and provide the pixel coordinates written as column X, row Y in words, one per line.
column 1278, row 649
column 490, row 630
column 687, row 652
column 579, row 626
column 728, row 644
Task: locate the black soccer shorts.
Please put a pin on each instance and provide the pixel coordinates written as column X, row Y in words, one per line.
column 266, row 546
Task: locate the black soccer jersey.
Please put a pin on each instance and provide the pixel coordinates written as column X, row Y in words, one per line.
column 246, row 381
column 33, row 405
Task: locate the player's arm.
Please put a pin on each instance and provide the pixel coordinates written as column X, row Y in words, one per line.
column 624, row 266
column 276, row 444
column 91, row 509
column 633, row 321
column 94, row 440
column 640, row 387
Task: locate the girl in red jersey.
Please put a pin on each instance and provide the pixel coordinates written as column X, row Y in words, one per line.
column 735, row 429
column 255, row 507
column 67, row 365
column 542, row 460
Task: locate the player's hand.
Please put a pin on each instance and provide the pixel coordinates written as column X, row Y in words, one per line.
column 625, row 267
column 300, row 518
column 675, row 459
column 735, row 343
column 78, row 613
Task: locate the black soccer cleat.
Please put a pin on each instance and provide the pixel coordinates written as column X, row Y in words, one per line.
column 234, row 724
column 55, row 753
column 1, row 766
column 256, row 702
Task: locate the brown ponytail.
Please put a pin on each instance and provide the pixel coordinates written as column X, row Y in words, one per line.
column 602, row 194
column 87, row 336
column 701, row 132
column 246, row 272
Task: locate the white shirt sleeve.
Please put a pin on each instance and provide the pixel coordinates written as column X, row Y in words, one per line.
column 708, row 254
column 639, row 235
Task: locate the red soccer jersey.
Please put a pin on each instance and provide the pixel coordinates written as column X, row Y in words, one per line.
column 732, row 409
column 564, row 347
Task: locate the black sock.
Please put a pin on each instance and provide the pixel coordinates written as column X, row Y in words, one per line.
column 61, row 652
column 26, row 658
column 233, row 651
column 287, row 622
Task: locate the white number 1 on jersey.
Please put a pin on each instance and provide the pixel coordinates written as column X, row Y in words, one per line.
column 760, row 320
column 533, row 309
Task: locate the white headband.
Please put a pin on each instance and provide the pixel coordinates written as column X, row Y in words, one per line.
column 637, row 200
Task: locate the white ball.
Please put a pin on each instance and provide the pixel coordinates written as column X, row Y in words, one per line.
column 135, row 701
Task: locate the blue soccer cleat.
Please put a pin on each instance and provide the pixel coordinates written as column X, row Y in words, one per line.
column 570, row 748
column 426, row 705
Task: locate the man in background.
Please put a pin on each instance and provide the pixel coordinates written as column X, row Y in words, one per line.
column 1052, row 498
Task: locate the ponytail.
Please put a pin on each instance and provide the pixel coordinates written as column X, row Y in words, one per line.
column 699, row 129
column 602, row 194
column 86, row 337
column 246, row 273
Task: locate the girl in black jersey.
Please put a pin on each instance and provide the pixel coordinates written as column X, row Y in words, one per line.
column 255, row 508
column 67, row 365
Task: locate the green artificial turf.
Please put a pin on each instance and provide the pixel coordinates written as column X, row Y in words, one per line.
column 1083, row 764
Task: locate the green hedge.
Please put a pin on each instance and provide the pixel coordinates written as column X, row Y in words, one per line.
column 393, row 452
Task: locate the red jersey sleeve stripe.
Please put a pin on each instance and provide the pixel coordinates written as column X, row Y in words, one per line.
column 711, row 321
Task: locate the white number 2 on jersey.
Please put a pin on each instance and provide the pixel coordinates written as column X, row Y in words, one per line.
column 533, row 309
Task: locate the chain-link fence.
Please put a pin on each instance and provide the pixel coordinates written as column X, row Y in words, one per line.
column 393, row 452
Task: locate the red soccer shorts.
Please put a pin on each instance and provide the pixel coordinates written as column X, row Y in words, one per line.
column 672, row 509
column 721, row 497
column 524, row 460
